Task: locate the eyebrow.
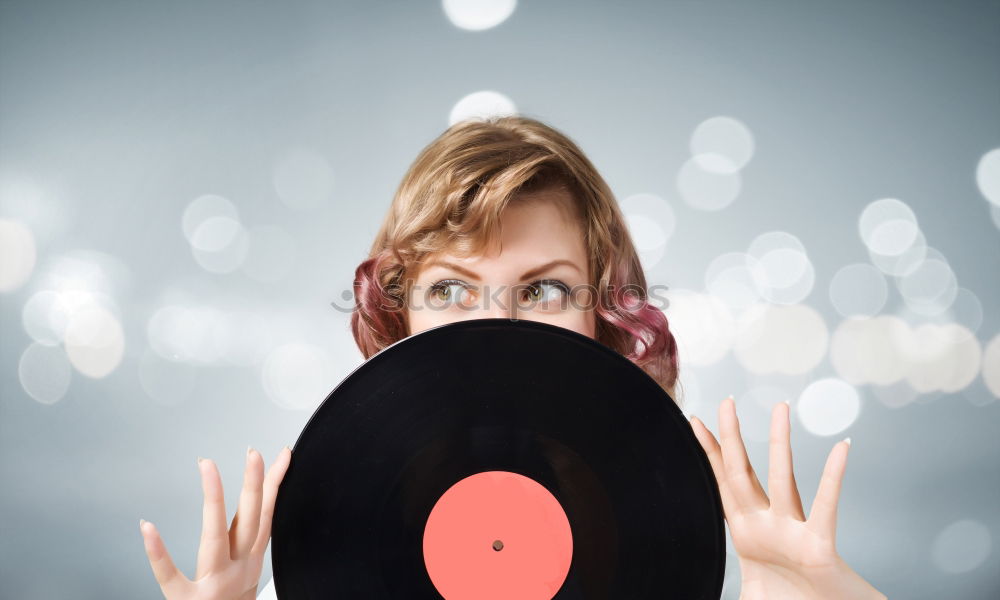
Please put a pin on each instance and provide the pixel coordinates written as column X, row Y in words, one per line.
column 527, row 274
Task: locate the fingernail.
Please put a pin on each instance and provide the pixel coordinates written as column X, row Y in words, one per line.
column 788, row 403
column 249, row 450
column 848, row 440
column 141, row 521
column 288, row 447
column 200, row 459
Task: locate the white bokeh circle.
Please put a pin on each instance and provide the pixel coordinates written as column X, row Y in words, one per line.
column 704, row 189
column 722, row 145
column 858, row 290
column 888, row 227
column 44, row 372
column 702, row 325
column 17, row 254
column 988, row 176
column 962, row 546
column 991, row 365
column 480, row 106
column 478, row 15
column 298, row 376
column 94, row 341
column 828, row 406
column 790, row 340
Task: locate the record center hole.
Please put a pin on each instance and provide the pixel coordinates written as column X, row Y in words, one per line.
column 497, row 545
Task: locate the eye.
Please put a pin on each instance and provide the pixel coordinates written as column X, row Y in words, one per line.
column 452, row 291
column 545, row 291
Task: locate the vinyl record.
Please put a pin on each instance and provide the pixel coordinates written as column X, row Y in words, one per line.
column 494, row 458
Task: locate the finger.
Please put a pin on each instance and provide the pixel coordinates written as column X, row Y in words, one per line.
column 214, row 549
column 781, row 487
column 246, row 521
column 173, row 583
column 714, row 452
column 823, row 515
column 747, row 491
column 271, row 483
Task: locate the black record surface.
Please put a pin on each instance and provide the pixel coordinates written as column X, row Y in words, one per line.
column 498, row 395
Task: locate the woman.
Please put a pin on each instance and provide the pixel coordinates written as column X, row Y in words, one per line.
column 507, row 218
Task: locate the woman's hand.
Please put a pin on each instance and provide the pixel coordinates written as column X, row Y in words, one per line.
column 782, row 554
column 229, row 562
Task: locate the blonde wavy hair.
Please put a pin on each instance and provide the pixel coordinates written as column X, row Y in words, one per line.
column 452, row 197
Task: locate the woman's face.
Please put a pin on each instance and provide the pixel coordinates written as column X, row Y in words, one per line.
column 543, row 259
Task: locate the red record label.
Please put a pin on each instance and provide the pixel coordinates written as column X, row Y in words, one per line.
column 497, row 535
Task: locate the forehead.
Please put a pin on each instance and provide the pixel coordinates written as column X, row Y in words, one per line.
column 535, row 228
column 542, row 221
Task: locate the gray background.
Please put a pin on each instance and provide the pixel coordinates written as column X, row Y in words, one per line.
column 125, row 112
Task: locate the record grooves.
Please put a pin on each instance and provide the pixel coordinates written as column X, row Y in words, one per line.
column 522, row 398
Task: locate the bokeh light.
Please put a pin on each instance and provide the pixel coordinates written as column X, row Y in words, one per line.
column 185, row 333
column 895, row 395
column 74, row 306
column 17, row 254
column 95, row 341
column 41, row 318
column 722, row 145
column 83, row 270
column 943, row 358
column 649, row 238
column 858, row 289
column 988, row 176
column 215, row 234
column 651, row 221
column 47, row 314
column 481, row 105
column 962, row 546
column 995, row 214
column 991, row 365
column 44, row 372
column 888, row 227
column 202, row 209
column 702, row 325
column 828, row 406
column 732, row 277
column 905, row 263
column 791, row 339
column 886, row 349
column 298, row 376
column 704, row 189
column 966, row 310
column 782, row 270
column 220, row 245
column 478, row 15
column 212, row 226
column 37, row 203
column 929, row 289
column 869, row 350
